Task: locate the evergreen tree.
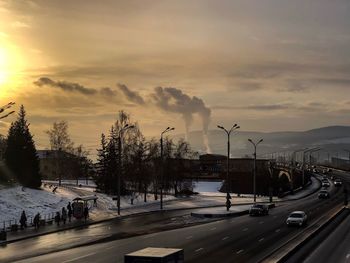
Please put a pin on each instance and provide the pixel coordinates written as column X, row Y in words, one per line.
column 21, row 155
column 101, row 178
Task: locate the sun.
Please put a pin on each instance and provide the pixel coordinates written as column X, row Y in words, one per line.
column 3, row 63
column 11, row 67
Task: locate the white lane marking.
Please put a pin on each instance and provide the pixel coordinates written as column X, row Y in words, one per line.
column 239, row 251
column 199, row 249
column 261, row 222
column 278, row 230
column 77, row 258
column 225, row 238
column 261, row 239
column 174, row 218
column 108, row 248
column 189, row 237
column 213, row 228
column 245, row 229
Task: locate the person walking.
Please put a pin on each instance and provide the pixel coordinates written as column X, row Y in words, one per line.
column 57, row 218
column 86, row 213
column 70, row 212
column 23, row 220
column 64, row 215
column 36, row 221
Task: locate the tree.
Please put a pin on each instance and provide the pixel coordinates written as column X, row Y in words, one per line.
column 59, row 137
column 20, row 155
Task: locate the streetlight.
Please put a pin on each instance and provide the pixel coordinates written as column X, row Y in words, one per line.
column 348, row 151
column 126, row 127
column 162, row 164
column 234, row 127
column 310, row 154
column 303, row 166
column 254, row 176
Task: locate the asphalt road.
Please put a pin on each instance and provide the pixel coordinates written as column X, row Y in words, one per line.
column 241, row 239
column 336, row 248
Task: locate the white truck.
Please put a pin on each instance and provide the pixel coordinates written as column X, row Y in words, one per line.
column 156, row 255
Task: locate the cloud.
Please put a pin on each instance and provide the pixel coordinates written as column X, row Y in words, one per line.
column 131, row 95
column 65, row 86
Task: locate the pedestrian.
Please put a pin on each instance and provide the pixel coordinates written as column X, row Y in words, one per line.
column 64, row 215
column 70, row 212
column 36, row 221
column 23, row 220
column 86, row 213
column 57, row 218
column 95, row 201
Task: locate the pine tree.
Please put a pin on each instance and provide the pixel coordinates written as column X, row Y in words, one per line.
column 21, row 155
column 100, row 179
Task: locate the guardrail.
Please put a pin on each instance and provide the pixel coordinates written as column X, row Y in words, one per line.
column 13, row 224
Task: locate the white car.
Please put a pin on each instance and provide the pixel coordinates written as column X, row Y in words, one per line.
column 298, row 218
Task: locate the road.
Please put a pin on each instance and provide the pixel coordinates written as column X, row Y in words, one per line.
column 241, row 239
column 336, row 248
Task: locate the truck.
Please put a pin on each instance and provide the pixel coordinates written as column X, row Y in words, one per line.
column 156, row 255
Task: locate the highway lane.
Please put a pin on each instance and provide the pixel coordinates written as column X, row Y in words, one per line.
column 242, row 239
column 336, row 248
column 114, row 229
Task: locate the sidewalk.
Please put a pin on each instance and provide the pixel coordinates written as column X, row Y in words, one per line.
column 240, row 205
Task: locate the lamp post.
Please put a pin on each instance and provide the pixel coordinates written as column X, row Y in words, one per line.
column 303, row 166
column 312, row 151
column 162, row 164
column 255, row 144
column 126, row 127
column 234, row 127
column 348, row 151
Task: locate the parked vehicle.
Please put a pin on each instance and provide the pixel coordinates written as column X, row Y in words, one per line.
column 337, row 182
column 323, row 194
column 258, row 210
column 298, row 218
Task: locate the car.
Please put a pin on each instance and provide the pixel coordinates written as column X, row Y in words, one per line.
column 326, row 184
column 324, row 171
column 323, row 194
column 258, row 210
column 333, row 178
column 329, row 170
column 337, row 182
column 298, row 218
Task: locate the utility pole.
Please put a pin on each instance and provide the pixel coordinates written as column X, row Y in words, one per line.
column 162, row 165
column 254, row 175
column 228, row 197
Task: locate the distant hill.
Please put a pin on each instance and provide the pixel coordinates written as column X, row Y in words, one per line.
column 331, row 139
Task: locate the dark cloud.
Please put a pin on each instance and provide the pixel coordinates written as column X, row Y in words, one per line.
column 131, row 95
column 65, row 86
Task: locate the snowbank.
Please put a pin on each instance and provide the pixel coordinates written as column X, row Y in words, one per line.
column 16, row 199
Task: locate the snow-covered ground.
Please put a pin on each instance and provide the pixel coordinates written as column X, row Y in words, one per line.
column 207, row 187
column 14, row 200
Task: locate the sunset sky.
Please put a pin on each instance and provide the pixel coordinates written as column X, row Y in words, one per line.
column 267, row 65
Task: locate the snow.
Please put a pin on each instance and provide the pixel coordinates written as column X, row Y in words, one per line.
column 207, row 186
column 16, row 199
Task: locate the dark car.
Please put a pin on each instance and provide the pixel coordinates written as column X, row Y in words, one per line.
column 259, row 210
column 337, row 182
column 326, row 184
column 323, row 194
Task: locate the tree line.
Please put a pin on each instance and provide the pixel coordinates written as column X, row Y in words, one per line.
column 137, row 161
column 128, row 155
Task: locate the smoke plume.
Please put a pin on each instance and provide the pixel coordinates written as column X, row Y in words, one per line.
column 65, row 86
column 174, row 100
column 131, row 95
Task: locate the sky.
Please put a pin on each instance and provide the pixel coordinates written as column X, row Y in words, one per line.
column 268, row 65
